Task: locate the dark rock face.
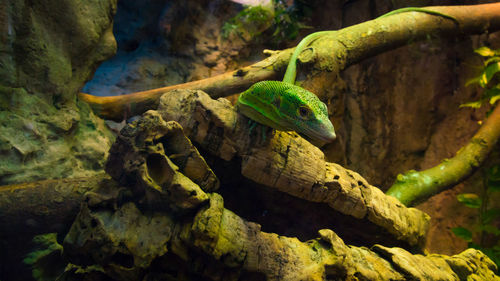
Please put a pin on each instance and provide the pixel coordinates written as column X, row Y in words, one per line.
column 163, row 43
column 53, row 47
column 48, row 50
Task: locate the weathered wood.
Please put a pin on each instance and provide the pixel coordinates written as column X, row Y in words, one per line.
column 121, row 107
column 128, row 244
column 289, row 163
column 43, row 206
column 187, row 231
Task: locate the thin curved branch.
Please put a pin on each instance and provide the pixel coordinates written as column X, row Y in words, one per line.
column 349, row 45
column 119, row 107
column 416, row 186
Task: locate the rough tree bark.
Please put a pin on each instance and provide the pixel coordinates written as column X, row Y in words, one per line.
column 288, row 163
column 43, row 206
column 188, row 233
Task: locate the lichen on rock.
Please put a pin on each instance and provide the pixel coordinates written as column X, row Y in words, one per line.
column 49, row 49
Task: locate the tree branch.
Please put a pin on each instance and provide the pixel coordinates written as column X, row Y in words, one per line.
column 43, row 206
column 349, row 45
column 415, row 186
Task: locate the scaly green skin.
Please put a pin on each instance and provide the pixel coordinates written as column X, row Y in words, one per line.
column 286, row 107
column 420, row 10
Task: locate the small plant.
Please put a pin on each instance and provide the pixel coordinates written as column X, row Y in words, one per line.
column 485, row 234
column 255, row 20
column 487, row 78
column 486, row 229
column 288, row 20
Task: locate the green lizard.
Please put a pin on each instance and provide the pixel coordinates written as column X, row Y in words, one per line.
column 287, row 107
column 420, row 10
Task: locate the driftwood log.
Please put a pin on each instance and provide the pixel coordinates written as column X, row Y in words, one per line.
column 290, row 164
column 192, row 236
column 43, row 206
column 160, row 218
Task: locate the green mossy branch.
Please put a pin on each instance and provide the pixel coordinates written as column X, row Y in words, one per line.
column 416, row 186
column 331, row 53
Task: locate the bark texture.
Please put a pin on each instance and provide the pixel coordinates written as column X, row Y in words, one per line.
column 130, row 239
column 288, row 163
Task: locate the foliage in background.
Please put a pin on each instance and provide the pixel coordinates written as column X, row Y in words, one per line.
column 485, row 234
column 487, row 78
column 250, row 22
column 46, row 258
column 285, row 21
column 288, row 20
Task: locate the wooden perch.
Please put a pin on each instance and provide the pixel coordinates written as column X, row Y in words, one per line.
column 43, row 206
column 128, row 244
column 333, row 54
column 288, row 163
column 121, row 107
column 189, row 232
column 414, row 186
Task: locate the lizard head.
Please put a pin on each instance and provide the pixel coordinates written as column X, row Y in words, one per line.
column 308, row 114
column 287, row 107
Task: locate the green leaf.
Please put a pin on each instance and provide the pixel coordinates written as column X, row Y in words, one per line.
column 472, row 81
column 463, row 233
column 301, row 25
column 473, row 104
column 470, row 200
column 494, row 99
column 491, row 92
column 494, row 173
column 491, row 229
column 484, row 51
column 490, row 215
column 490, row 60
column 488, row 73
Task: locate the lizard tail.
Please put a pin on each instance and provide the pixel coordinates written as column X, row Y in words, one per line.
column 291, row 70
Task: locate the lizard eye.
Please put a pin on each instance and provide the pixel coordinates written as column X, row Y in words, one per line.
column 304, row 112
